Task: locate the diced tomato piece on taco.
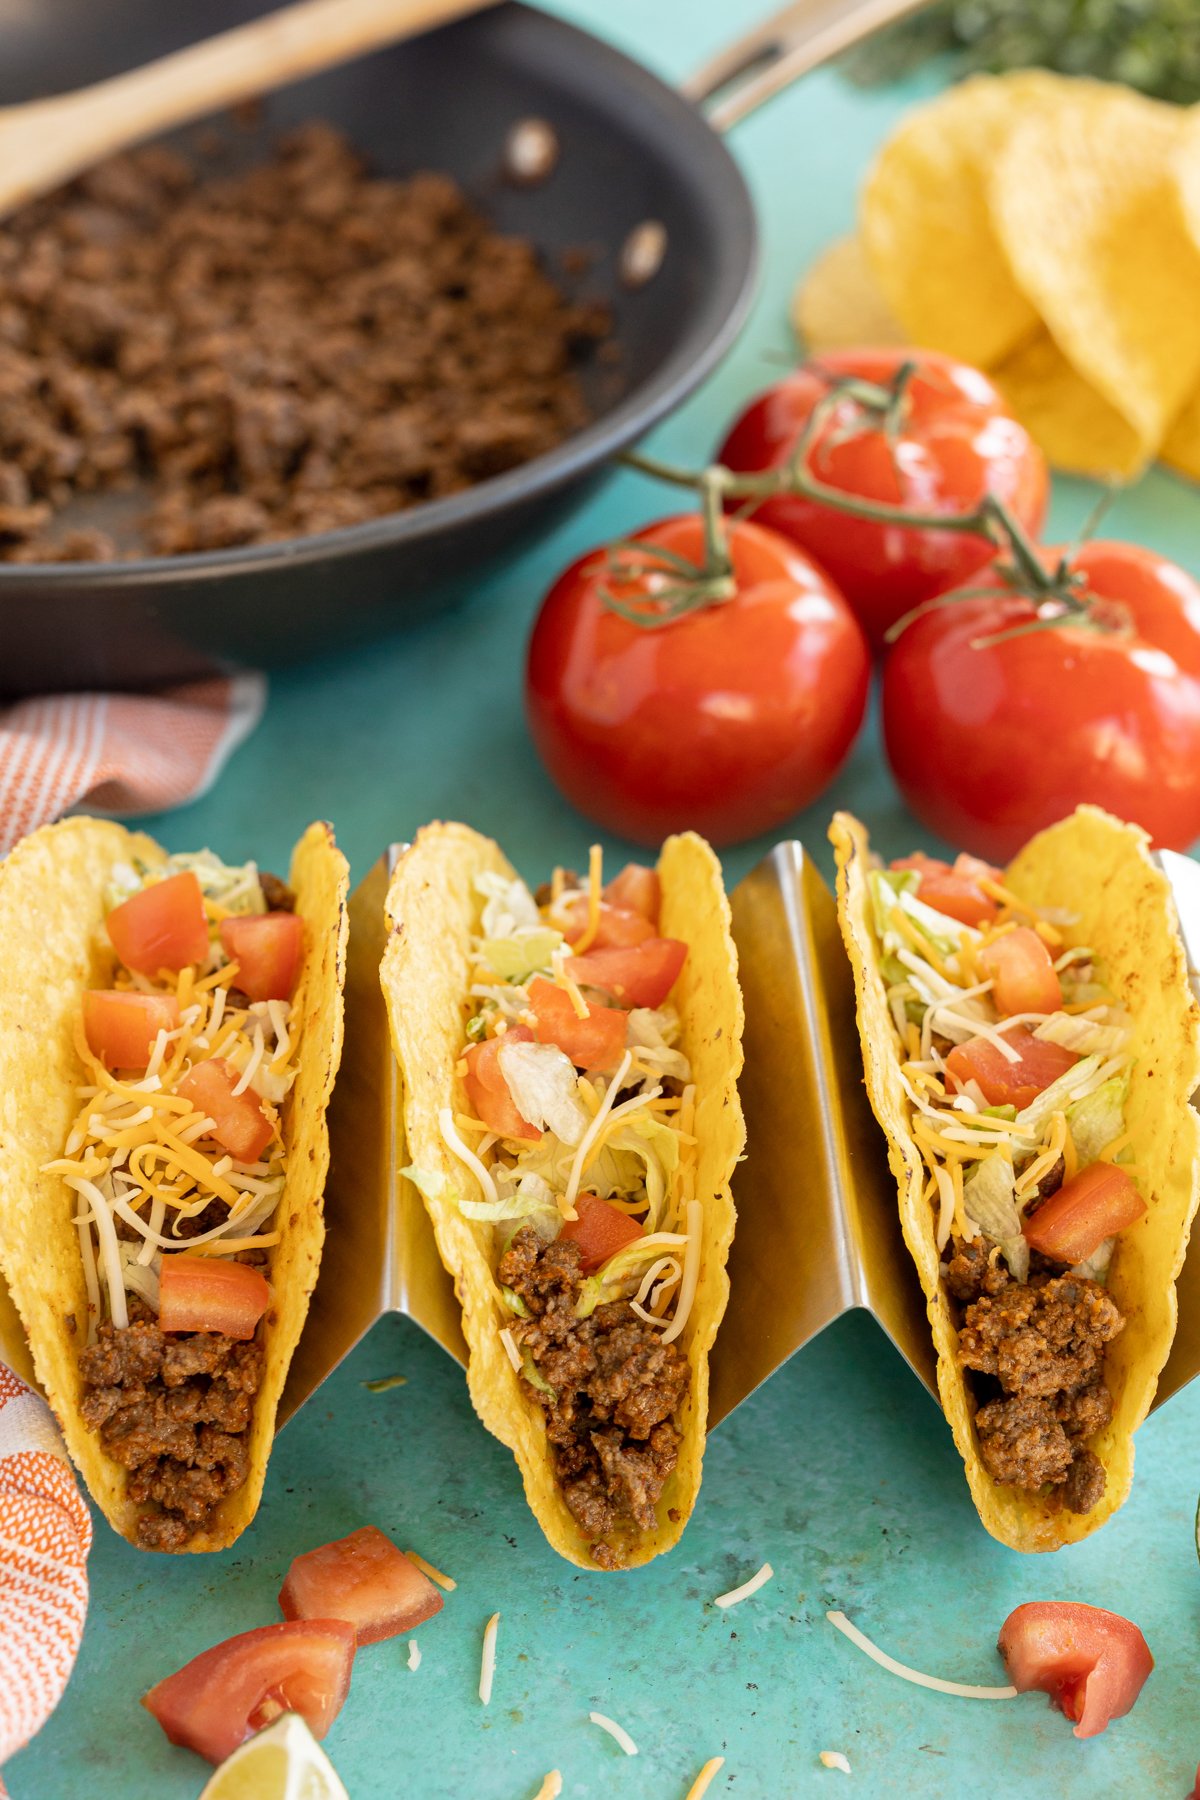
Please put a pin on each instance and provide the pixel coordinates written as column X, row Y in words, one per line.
column 1022, row 972
column 268, row 949
column 239, row 1123
column 953, row 891
column 638, row 889
column 642, row 975
column 209, row 1293
column 487, row 1091
column 616, row 927
column 1001, row 1081
column 1092, row 1663
column 121, row 1027
column 597, row 1042
column 600, row 1230
column 1095, row 1204
column 219, row 1699
column 363, row 1579
column 163, row 926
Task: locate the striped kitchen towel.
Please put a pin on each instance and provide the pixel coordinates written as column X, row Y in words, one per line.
column 120, row 753
column 45, row 1536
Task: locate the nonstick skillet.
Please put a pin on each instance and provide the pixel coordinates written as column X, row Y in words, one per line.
column 632, row 152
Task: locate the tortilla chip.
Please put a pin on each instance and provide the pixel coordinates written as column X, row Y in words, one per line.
column 1074, row 425
column 52, row 948
column 432, row 910
column 1100, row 870
column 1085, row 206
column 838, row 305
column 927, row 225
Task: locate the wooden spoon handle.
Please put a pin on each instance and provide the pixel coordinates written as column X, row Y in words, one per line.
column 58, row 138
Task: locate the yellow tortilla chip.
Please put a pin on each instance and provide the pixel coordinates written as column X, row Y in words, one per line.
column 1076, row 427
column 927, row 225
column 432, row 911
column 838, row 305
column 1085, row 206
column 51, row 948
column 1100, row 871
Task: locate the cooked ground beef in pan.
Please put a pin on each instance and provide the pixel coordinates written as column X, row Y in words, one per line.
column 616, row 1386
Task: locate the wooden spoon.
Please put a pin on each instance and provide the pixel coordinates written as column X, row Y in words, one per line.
column 45, row 142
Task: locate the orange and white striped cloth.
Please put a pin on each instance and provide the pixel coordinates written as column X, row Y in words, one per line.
column 45, row 1536
column 120, row 753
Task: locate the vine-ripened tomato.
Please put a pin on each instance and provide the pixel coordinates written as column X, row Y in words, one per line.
column 991, row 743
column 729, row 719
column 954, row 443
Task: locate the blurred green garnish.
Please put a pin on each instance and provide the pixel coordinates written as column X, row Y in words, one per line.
column 1152, row 45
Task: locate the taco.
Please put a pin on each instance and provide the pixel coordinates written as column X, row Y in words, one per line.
column 170, row 1029
column 569, row 1068
column 1031, row 1045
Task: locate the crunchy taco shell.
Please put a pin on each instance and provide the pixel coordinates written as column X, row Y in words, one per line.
column 1100, row 871
column 51, row 948
column 431, row 913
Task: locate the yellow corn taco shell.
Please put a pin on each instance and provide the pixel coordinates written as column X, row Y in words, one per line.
column 1098, row 870
column 432, row 908
column 51, row 948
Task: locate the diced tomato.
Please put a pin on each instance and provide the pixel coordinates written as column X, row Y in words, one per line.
column 1195, row 1793
column 637, row 888
column 640, row 976
column 600, row 1230
column 267, row 948
column 121, row 1027
column 616, row 928
column 596, row 1042
column 1005, row 1083
column 953, row 891
column 1073, row 1223
column 1023, row 973
column 1092, row 1663
column 363, row 1579
column 162, row 926
column 208, row 1293
column 239, row 1123
column 488, row 1092
column 219, row 1699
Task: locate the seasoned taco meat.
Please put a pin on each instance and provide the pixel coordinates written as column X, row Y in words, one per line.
column 174, row 1409
column 615, row 1386
column 1043, row 1341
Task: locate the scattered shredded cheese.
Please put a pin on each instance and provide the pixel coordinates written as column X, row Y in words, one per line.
column 414, row 1655
column 551, row 1787
column 453, row 1142
column 615, row 1731
column 699, row 1787
column 510, row 1347
column 747, row 1588
column 962, row 1689
column 487, row 1668
column 691, row 1271
column 590, row 1136
column 595, row 876
column 835, row 1759
column 558, row 968
column 427, row 1568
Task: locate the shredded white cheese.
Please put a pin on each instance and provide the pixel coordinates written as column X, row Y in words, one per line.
column 691, row 1271
column 551, row 1787
column 615, row 1731
column 427, row 1568
column 747, row 1588
column 414, row 1655
column 510, row 1346
column 481, row 1173
column 961, row 1689
column 487, row 1668
column 594, row 1129
column 700, row 1785
column 834, row 1759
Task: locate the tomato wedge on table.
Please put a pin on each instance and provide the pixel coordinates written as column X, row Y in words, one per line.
column 219, row 1699
column 1092, row 1663
column 121, row 1027
column 487, row 1091
column 363, row 1579
column 1073, row 1223
column 239, row 1123
column 636, row 888
column 1005, row 1083
column 1022, row 972
column 616, row 928
column 597, row 1042
column 209, row 1293
column 640, row 976
column 953, row 891
column 600, row 1230
column 267, row 948
column 163, row 926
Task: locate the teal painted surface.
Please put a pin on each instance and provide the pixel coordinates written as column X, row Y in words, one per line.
column 840, row 1471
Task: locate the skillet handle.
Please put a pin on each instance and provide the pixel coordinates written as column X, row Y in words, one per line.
column 777, row 51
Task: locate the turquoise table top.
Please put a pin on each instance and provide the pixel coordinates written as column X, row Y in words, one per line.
column 840, row 1471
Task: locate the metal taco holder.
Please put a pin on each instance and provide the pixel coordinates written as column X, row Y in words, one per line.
column 818, row 1223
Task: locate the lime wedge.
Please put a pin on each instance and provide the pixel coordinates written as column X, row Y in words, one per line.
column 284, row 1762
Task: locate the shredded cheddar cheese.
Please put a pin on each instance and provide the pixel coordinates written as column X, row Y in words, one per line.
column 595, row 877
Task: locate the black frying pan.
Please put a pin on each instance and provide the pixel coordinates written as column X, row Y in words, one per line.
column 631, row 150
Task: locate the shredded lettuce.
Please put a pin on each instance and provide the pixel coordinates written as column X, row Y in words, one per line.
column 654, row 1035
column 508, row 906
column 1096, row 1266
column 1033, row 1121
column 527, row 1199
column 1090, row 1037
column 516, row 958
column 544, row 1088
column 653, row 1149
column 617, row 1269
column 236, row 887
column 529, row 1370
column 514, row 1303
column 1098, row 1119
column 990, row 1202
column 898, row 888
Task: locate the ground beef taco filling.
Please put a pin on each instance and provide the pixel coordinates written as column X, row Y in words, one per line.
column 177, row 1158
column 1016, row 1061
column 573, row 1114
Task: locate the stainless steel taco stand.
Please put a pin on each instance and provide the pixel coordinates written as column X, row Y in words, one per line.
column 818, row 1228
